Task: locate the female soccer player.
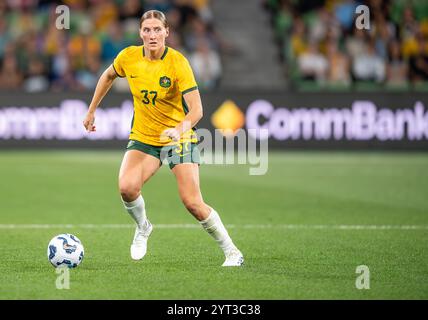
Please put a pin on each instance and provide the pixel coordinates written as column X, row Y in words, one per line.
column 167, row 106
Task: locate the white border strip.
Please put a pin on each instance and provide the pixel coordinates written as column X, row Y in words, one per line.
column 197, row 226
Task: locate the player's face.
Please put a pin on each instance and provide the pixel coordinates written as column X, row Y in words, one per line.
column 153, row 34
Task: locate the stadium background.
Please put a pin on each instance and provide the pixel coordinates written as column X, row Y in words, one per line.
column 307, row 62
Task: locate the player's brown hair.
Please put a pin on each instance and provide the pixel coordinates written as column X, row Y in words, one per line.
column 154, row 14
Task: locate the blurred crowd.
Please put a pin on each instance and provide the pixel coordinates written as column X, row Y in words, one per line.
column 320, row 44
column 36, row 56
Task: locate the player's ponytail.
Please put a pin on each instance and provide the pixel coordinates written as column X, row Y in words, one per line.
column 154, row 14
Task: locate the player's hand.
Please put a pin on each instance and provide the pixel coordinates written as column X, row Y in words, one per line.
column 88, row 122
column 172, row 134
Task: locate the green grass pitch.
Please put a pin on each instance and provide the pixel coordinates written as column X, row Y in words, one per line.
column 304, row 227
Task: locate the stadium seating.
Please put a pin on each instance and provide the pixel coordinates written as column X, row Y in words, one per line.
column 305, row 30
column 36, row 56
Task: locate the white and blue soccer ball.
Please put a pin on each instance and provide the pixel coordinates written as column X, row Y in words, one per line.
column 65, row 250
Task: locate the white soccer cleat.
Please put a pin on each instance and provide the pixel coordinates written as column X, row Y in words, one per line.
column 139, row 245
column 234, row 258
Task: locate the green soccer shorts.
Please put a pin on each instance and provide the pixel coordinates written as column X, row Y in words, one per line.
column 186, row 152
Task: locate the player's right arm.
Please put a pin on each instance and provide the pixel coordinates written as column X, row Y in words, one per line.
column 103, row 86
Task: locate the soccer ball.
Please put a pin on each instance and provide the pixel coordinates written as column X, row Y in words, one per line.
column 65, row 250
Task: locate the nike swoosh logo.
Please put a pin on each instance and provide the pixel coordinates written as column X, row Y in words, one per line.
column 133, row 76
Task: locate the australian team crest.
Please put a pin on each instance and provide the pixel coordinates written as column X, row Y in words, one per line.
column 165, row 82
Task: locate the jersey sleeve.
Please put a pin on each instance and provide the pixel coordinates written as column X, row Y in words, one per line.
column 185, row 78
column 119, row 63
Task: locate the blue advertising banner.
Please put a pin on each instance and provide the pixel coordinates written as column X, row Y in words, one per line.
column 290, row 120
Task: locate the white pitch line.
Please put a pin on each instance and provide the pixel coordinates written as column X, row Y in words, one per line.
column 197, row 226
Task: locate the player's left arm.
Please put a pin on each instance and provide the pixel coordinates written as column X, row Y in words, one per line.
column 194, row 104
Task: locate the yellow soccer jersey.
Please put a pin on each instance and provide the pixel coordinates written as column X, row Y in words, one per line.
column 158, row 87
